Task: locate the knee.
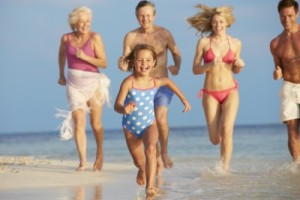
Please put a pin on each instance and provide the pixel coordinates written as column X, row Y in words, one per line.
column 215, row 140
column 292, row 126
column 150, row 149
column 96, row 127
column 79, row 125
column 140, row 164
column 226, row 133
column 161, row 121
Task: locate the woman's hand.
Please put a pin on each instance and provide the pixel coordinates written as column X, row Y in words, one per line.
column 62, row 81
column 239, row 63
column 80, row 54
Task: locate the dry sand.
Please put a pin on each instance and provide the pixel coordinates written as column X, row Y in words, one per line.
column 43, row 177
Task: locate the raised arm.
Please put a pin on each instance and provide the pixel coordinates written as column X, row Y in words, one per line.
column 126, row 50
column 174, row 69
column 198, row 68
column 98, row 45
column 238, row 63
column 278, row 72
column 172, row 86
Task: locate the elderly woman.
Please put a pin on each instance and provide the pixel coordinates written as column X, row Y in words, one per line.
column 220, row 54
column 87, row 89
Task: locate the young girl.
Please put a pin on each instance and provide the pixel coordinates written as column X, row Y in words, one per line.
column 135, row 102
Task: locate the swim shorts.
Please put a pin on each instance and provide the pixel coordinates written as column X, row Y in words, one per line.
column 290, row 101
column 163, row 97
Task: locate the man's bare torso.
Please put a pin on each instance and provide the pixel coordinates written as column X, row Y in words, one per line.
column 287, row 49
column 159, row 40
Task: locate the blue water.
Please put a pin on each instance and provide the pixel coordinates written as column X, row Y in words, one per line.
column 261, row 164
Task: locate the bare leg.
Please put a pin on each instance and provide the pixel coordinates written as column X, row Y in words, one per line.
column 229, row 112
column 80, row 137
column 161, row 115
column 136, row 149
column 212, row 110
column 293, row 138
column 96, row 123
column 160, row 164
column 150, row 139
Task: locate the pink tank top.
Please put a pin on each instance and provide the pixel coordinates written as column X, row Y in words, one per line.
column 76, row 63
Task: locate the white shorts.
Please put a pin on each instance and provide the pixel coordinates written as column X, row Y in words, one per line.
column 290, row 101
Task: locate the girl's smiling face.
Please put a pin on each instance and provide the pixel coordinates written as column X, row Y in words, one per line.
column 144, row 62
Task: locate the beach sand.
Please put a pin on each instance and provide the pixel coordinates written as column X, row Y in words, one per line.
column 33, row 178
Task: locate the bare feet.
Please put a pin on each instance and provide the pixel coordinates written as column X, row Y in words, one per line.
column 167, row 161
column 150, row 192
column 141, row 177
column 98, row 165
column 81, row 168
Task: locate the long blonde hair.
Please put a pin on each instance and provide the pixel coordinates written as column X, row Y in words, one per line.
column 202, row 20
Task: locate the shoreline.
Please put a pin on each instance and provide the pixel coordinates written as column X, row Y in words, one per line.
column 20, row 172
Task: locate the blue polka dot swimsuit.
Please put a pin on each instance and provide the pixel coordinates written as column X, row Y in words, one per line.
column 143, row 115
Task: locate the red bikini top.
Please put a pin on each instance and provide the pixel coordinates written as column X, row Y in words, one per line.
column 228, row 58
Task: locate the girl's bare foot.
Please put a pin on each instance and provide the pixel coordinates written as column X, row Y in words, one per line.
column 150, row 192
column 98, row 165
column 141, row 178
column 167, row 161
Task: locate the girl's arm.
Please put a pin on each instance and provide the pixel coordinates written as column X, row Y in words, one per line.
column 172, row 86
column 119, row 102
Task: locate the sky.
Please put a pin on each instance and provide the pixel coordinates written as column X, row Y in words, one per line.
column 30, row 36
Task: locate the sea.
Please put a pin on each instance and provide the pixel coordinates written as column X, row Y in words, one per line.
column 261, row 166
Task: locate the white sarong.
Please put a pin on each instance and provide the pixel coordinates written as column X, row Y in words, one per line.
column 81, row 87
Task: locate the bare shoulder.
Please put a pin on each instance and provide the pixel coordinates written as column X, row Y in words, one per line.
column 274, row 42
column 163, row 30
column 234, row 40
column 132, row 34
column 127, row 81
column 95, row 36
column 203, row 41
column 64, row 38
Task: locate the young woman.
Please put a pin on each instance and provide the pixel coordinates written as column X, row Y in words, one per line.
column 217, row 56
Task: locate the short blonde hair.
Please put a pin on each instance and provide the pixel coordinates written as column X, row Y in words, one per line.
column 73, row 16
column 202, row 20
